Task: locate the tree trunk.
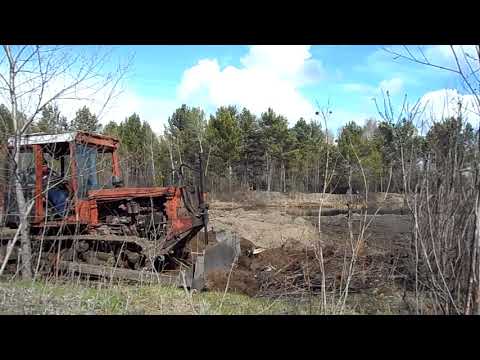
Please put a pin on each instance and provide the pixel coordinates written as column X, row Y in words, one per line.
column 268, row 166
column 270, row 177
column 318, row 175
column 153, row 163
column 475, row 274
column 476, row 248
column 230, row 179
column 208, row 160
column 26, row 252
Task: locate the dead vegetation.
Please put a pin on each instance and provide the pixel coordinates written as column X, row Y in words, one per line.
column 263, row 199
column 293, row 270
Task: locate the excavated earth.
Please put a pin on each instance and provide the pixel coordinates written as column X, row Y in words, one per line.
column 285, row 229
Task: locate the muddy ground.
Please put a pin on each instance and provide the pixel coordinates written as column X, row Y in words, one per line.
column 287, row 227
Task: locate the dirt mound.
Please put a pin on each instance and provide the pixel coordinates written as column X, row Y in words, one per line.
column 295, row 268
column 239, row 281
column 255, row 273
column 267, row 228
column 288, row 264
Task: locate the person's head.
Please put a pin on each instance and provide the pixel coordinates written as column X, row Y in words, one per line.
column 45, row 169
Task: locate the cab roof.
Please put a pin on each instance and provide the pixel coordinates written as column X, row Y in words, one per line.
column 73, row 136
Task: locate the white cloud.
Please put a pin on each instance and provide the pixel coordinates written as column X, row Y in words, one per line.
column 443, row 103
column 343, row 117
column 269, row 76
column 444, row 56
column 359, row 88
column 393, row 86
column 154, row 110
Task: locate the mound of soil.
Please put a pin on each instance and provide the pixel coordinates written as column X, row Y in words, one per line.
column 294, row 268
column 254, row 274
column 239, row 281
column 267, row 228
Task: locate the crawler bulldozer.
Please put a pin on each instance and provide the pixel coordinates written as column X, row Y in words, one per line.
column 84, row 221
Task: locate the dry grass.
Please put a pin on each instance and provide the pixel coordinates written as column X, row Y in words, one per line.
column 97, row 299
column 276, row 199
column 62, row 298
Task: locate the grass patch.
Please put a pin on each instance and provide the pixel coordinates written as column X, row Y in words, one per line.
column 41, row 297
column 101, row 298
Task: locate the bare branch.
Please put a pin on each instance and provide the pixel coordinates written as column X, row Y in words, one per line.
column 466, row 82
column 418, row 61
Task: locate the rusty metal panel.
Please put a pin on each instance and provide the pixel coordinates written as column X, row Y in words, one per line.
column 116, row 164
column 39, row 196
column 93, row 212
column 97, row 139
column 83, row 210
column 74, row 182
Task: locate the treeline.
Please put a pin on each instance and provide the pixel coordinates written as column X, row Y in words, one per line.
column 244, row 151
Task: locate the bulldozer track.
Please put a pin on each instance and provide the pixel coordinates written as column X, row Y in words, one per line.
column 144, row 243
column 148, row 246
column 55, row 262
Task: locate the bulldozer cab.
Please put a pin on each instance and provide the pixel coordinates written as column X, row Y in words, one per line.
column 58, row 171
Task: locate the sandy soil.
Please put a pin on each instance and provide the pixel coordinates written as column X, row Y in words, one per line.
column 288, row 231
column 271, row 223
column 264, row 227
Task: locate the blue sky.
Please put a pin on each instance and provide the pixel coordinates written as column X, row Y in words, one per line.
column 290, row 79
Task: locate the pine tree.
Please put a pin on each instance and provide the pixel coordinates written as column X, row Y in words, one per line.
column 112, row 129
column 307, row 158
column 223, row 136
column 277, row 138
column 186, row 127
column 52, row 121
column 85, row 121
column 6, row 123
column 251, row 151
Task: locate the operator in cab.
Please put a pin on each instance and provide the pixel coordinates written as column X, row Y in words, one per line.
column 57, row 189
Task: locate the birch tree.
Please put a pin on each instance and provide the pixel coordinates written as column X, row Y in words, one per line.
column 32, row 77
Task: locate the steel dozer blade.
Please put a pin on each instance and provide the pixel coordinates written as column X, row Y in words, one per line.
column 219, row 256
